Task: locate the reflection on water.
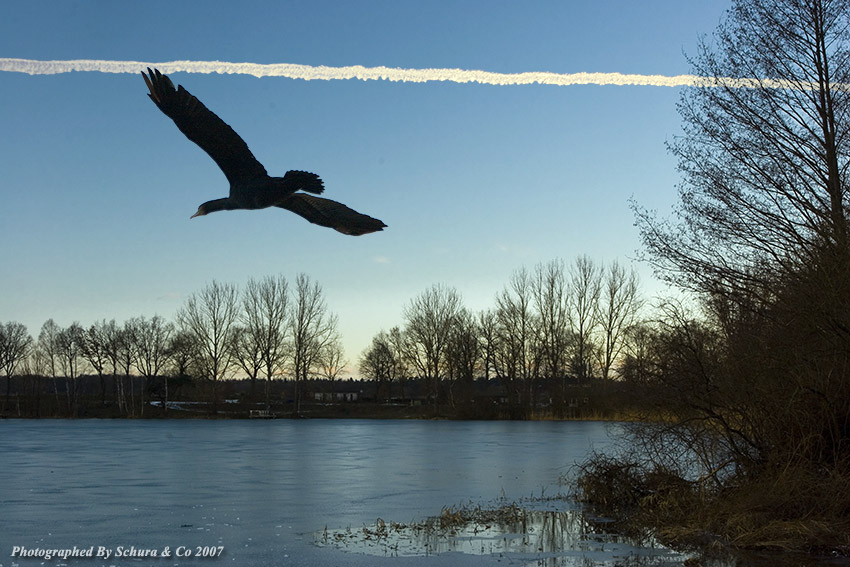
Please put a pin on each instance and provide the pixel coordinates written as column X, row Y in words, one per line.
column 543, row 537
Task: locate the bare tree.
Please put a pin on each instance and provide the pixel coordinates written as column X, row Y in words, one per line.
column 266, row 309
column 639, row 346
column 765, row 168
column 551, row 304
column 396, row 341
column 429, row 317
column 518, row 355
column 378, row 363
column 756, row 386
column 47, row 343
column 489, row 338
column 616, row 312
column 183, row 356
column 151, row 340
column 311, row 328
column 584, row 286
column 94, row 350
column 184, row 352
column 463, row 357
column 209, row 315
column 69, row 347
column 114, row 350
column 332, row 359
column 37, row 366
column 761, row 228
column 247, row 354
column 15, row 343
column 124, row 356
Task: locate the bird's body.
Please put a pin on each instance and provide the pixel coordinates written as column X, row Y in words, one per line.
column 251, row 187
column 263, row 192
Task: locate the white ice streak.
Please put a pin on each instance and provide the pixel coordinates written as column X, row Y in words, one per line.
column 322, row 72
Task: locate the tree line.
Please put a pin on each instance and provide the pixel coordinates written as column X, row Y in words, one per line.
column 555, row 325
column 266, row 330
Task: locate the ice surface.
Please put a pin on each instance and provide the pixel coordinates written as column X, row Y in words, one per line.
column 262, row 489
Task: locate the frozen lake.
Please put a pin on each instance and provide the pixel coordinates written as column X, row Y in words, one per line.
column 258, row 491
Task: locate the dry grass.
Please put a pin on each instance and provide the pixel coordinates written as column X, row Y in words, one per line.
column 791, row 509
column 455, row 517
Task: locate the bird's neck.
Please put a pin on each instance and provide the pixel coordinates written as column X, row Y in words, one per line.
column 219, row 205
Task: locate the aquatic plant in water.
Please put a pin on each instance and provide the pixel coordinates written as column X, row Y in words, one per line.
column 549, row 530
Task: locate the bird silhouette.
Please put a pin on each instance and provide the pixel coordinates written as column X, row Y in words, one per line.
column 251, row 187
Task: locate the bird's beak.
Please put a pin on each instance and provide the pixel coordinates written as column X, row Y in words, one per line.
column 195, row 215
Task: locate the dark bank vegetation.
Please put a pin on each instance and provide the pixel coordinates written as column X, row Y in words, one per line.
column 753, row 377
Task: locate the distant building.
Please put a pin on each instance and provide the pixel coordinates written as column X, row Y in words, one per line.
column 335, row 397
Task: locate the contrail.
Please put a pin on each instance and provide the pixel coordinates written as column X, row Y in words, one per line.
column 311, row 73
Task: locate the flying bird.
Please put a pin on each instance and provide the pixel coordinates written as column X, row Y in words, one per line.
column 251, row 187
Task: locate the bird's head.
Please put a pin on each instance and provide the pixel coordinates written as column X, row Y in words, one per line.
column 213, row 206
column 202, row 210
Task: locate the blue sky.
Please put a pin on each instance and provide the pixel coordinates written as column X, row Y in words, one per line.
column 473, row 181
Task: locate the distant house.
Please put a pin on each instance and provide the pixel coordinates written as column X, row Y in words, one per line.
column 335, row 397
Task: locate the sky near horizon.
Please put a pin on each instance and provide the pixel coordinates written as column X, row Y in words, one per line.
column 473, row 180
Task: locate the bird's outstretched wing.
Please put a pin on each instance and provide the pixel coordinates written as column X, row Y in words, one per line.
column 331, row 214
column 203, row 127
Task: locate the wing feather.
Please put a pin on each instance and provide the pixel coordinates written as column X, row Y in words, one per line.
column 203, row 127
column 325, row 212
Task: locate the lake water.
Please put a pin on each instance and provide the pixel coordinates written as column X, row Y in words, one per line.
column 257, row 493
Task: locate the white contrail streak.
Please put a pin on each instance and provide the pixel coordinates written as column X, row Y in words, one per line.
column 309, row 73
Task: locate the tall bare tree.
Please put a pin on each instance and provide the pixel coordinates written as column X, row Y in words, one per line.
column 463, row 358
column 378, row 363
column 114, row 348
column 616, row 312
column 311, row 328
column 184, row 352
column 183, row 349
column 209, row 316
column 761, row 228
column 396, row 341
column 37, row 366
column 94, row 349
column 758, row 384
column 332, row 360
column 247, row 353
column 15, row 343
column 151, row 339
column 489, row 337
column 125, row 357
column 429, row 317
column 639, row 355
column 551, row 304
column 47, row 343
column 69, row 345
column 265, row 313
column 519, row 355
column 584, row 286
column 764, row 168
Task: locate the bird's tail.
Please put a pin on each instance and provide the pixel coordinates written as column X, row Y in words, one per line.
column 300, row 181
